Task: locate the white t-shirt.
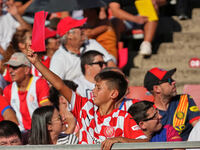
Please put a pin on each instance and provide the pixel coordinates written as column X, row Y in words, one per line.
column 85, row 87
column 92, row 44
column 65, row 64
column 8, row 26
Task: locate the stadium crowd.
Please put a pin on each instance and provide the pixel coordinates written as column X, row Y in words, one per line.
column 72, row 92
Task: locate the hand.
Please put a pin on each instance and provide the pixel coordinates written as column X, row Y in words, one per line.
column 107, row 144
column 141, row 19
column 12, row 9
column 30, row 54
column 87, row 32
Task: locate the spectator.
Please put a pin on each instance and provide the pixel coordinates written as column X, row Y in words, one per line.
column 124, row 103
column 6, row 112
column 46, row 126
column 26, row 92
column 91, row 64
column 149, row 120
column 16, row 45
column 126, row 10
column 10, row 21
column 101, row 30
column 9, row 133
column 22, row 5
column 178, row 110
column 66, row 61
column 93, row 115
column 64, row 108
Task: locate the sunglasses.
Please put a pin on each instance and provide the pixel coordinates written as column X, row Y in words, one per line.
column 154, row 117
column 16, row 67
column 169, row 80
column 100, row 63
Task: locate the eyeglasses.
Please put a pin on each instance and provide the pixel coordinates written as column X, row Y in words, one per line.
column 59, row 118
column 100, row 63
column 154, row 117
column 16, row 67
column 169, row 80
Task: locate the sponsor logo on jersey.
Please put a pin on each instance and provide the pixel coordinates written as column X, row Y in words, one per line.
column 135, row 127
column 180, row 128
column 194, row 108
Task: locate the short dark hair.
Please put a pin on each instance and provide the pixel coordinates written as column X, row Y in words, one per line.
column 139, row 110
column 39, row 127
column 8, row 129
column 87, row 58
column 54, row 93
column 114, row 80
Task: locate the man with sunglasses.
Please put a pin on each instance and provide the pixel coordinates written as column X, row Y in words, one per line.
column 178, row 110
column 149, row 120
column 92, row 63
column 26, row 92
column 66, row 60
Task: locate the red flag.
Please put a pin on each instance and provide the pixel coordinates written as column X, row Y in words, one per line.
column 38, row 35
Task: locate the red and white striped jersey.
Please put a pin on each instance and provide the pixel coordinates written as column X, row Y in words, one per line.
column 95, row 128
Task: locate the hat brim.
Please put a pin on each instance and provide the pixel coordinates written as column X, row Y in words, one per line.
column 169, row 74
column 13, row 63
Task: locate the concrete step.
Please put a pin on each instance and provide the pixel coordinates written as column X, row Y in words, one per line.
column 179, row 37
column 196, row 13
column 190, row 25
column 163, row 61
column 182, row 77
column 179, row 48
column 169, row 25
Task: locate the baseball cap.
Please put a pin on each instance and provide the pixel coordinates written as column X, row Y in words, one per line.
column 49, row 33
column 68, row 23
column 18, row 59
column 155, row 76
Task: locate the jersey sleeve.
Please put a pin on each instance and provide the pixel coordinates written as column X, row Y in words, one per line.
column 132, row 130
column 42, row 88
column 7, row 93
column 193, row 111
column 3, row 105
column 172, row 134
column 77, row 103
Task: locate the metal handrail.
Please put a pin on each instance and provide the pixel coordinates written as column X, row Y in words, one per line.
column 117, row 146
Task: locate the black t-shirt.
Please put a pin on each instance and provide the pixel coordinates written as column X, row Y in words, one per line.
column 127, row 5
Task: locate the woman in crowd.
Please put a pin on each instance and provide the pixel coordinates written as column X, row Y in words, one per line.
column 46, row 127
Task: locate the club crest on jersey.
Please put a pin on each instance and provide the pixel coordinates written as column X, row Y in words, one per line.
column 180, row 115
column 109, row 131
column 135, row 127
column 31, row 98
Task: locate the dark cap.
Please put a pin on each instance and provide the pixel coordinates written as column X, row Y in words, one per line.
column 155, row 76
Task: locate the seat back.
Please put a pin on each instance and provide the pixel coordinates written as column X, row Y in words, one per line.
column 139, row 92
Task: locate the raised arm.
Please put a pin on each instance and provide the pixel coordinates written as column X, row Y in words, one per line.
column 49, row 75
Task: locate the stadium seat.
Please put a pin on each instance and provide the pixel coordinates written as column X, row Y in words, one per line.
column 139, row 92
column 193, row 90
